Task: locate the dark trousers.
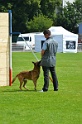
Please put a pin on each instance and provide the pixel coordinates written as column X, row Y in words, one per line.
column 46, row 77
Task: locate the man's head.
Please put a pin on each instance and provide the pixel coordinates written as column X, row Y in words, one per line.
column 47, row 33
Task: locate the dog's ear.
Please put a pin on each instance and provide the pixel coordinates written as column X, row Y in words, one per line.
column 39, row 62
column 33, row 62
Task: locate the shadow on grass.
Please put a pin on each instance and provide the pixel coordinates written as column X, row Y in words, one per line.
column 16, row 90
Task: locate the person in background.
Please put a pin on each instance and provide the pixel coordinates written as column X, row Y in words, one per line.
column 48, row 60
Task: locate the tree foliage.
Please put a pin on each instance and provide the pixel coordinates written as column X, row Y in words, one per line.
column 35, row 15
column 70, row 16
column 39, row 23
column 22, row 10
column 48, row 7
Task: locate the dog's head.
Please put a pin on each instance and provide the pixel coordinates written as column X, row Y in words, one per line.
column 37, row 63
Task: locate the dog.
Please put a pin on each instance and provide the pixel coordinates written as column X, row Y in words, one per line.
column 29, row 75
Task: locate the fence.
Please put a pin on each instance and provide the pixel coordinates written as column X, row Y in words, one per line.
column 79, row 47
column 16, row 47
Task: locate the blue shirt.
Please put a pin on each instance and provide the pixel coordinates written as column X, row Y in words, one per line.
column 44, row 47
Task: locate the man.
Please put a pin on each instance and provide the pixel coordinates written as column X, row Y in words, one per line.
column 48, row 60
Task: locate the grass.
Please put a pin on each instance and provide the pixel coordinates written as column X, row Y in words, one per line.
column 31, row 107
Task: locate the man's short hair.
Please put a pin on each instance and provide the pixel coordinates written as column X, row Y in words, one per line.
column 47, row 32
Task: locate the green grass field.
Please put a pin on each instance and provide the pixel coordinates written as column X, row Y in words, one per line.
column 33, row 107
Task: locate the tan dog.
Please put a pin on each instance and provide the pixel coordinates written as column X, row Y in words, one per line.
column 29, row 75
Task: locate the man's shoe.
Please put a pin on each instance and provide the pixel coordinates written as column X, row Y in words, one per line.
column 41, row 91
column 55, row 89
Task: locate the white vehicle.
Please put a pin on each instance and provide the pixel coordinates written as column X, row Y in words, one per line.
column 27, row 41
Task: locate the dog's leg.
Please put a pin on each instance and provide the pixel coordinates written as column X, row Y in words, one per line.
column 25, row 81
column 21, row 82
column 35, row 82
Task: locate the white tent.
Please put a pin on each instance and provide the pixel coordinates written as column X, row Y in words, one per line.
column 67, row 41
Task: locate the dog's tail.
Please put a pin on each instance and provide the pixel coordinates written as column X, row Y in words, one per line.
column 14, row 78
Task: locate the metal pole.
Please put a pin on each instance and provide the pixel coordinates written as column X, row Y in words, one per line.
column 10, row 47
column 63, row 3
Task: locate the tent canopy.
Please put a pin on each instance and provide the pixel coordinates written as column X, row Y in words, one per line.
column 67, row 41
column 58, row 30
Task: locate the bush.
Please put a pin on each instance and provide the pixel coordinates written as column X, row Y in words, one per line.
column 39, row 23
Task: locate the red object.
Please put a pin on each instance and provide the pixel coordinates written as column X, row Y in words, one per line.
column 10, row 76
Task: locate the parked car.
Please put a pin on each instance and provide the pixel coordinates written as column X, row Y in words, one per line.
column 27, row 40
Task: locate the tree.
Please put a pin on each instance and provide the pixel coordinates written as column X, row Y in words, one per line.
column 48, row 7
column 25, row 11
column 39, row 23
column 70, row 16
column 22, row 11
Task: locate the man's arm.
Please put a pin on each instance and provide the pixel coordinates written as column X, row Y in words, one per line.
column 42, row 52
column 44, row 47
